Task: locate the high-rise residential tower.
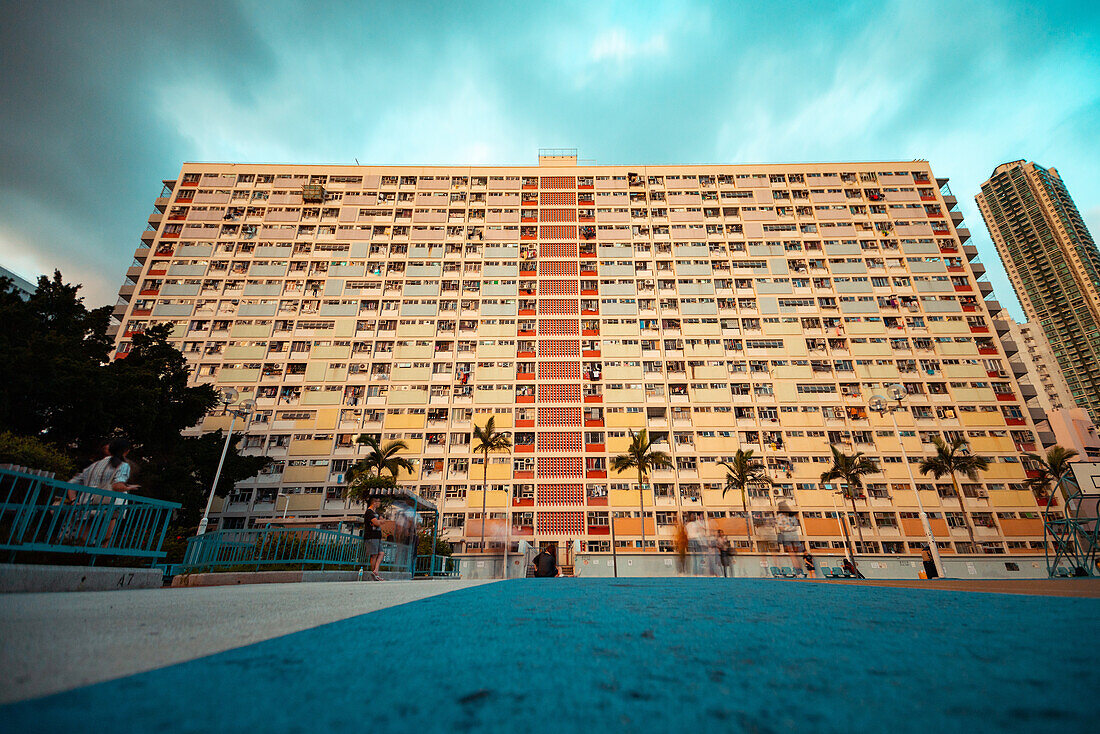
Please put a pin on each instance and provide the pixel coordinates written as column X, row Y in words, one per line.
column 1054, row 266
column 718, row 306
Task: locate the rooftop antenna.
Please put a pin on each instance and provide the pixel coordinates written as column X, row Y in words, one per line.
column 357, row 161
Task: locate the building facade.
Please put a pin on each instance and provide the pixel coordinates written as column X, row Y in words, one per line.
column 23, row 287
column 718, row 306
column 1054, row 266
column 1036, row 356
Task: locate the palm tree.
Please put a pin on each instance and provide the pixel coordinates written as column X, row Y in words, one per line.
column 382, row 457
column 639, row 455
column 489, row 440
column 951, row 459
column 850, row 468
column 743, row 471
column 1052, row 469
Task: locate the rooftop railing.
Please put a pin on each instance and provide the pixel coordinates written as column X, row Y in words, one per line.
column 44, row 515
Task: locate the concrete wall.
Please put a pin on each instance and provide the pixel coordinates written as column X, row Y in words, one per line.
column 757, row 566
column 33, row 578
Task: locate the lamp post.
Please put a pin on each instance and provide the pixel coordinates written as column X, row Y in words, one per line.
column 882, row 406
column 285, row 507
column 228, row 397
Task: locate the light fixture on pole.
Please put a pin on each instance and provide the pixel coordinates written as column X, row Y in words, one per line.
column 882, row 406
column 243, row 409
column 286, row 506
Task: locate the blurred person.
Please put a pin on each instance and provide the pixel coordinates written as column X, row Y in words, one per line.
column 546, row 566
column 725, row 550
column 851, row 568
column 372, row 537
column 109, row 473
column 680, row 545
column 809, row 566
column 696, row 533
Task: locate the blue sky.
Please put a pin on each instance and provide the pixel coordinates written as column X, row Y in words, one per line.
column 100, row 101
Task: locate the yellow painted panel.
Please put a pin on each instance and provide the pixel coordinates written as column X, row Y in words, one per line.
column 417, row 352
column 250, row 331
column 957, row 371
column 493, row 498
column 416, row 446
column 1000, row 471
column 862, row 328
column 620, row 351
column 949, row 328
column 305, row 474
column 711, row 395
column 233, row 375
column 617, row 444
column 614, row 372
column 976, row 418
column 495, row 374
column 808, row 445
column 1012, row 498
column 326, row 417
column 496, row 330
column 718, row 444
column 331, row 352
column 496, row 471
column 407, row 397
column 903, row 418
column 891, row 445
column 896, row 470
column 415, row 330
column 410, row 374
column 908, row 497
column 310, row 447
column 624, row 396
column 216, row 422
column 711, row 470
column 785, row 392
column 793, row 328
column 395, row 421
column 503, row 420
column 344, row 327
column 299, row 502
column 793, row 372
column 315, row 371
column 629, row 497
column 701, row 329
column 711, row 420
column 241, row 352
column 494, row 397
column 870, row 349
column 709, row 372
column 817, row 498
column 625, row 420
column 626, row 329
column 322, row 397
column 957, row 349
column 799, row 419
column 991, row 444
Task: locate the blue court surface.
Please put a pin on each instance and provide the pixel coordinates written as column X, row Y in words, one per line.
column 554, row 655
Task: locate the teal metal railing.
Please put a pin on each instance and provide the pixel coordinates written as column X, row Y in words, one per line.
column 436, row 566
column 296, row 547
column 44, row 515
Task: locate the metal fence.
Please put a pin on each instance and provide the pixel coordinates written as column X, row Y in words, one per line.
column 41, row 514
column 296, row 547
column 437, row 566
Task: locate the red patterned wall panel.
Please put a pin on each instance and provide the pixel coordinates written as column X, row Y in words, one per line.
column 560, row 494
column 559, row 327
column 560, row 249
column 552, row 268
column 559, row 417
column 563, row 467
column 559, row 441
column 559, row 370
column 559, row 393
column 560, row 523
column 558, row 232
column 559, row 307
column 559, row 348
column 559, row 182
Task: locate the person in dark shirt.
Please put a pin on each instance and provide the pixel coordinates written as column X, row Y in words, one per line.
column 545, row 565
column 372, row 537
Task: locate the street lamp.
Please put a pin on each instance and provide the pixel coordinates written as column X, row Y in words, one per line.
column 227, row 397
column 286, row 506
column 882, row 406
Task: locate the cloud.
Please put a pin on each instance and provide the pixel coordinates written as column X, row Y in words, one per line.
column 616, row 45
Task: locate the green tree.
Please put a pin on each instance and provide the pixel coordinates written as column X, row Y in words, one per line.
column 951, row 459
column 1052, row 469
column 641, row 457
column 35, row 453
column 850, row 469
column 487, row 440
column 380, row 457
column 51, row 374
column 745, row 471
column 183, row 472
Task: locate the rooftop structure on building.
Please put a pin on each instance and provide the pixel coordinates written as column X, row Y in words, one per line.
column 718, row 306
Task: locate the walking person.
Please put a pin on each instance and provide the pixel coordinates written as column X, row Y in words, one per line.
column 696, row 533
column 372, row 537
column 111, row 473
column 722, row 544
column 809, row 566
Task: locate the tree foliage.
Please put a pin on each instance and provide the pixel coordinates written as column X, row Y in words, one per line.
column 61, row 396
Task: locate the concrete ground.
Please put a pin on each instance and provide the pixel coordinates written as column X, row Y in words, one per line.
column 58, row 641
column 582, row 655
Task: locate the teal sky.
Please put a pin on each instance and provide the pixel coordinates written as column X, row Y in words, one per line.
column 99, row 101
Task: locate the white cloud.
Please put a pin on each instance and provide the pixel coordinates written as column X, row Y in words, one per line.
column 617, row 45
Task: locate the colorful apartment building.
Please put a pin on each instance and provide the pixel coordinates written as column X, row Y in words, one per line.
column 718, row 306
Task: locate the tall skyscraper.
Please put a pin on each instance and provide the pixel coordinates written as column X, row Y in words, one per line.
column 718, row 306
column 1054, row 266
